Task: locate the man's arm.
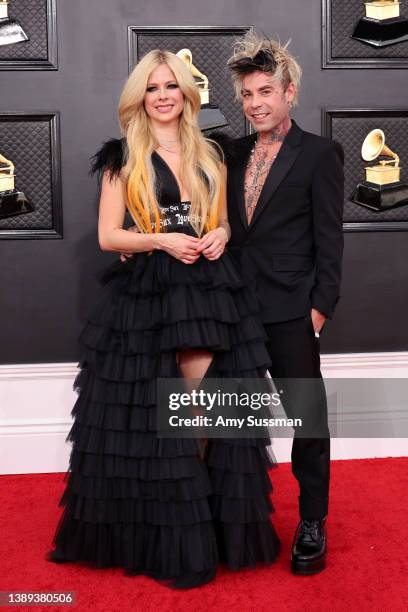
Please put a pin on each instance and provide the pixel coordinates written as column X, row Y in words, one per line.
column 328, row 204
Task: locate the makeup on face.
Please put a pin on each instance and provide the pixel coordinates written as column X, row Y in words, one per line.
column 164, row 100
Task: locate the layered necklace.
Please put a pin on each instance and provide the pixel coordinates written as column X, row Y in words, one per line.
column 259, row 164
column 168, row 144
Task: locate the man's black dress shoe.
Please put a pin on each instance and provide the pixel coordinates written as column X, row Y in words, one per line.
column 309, row 547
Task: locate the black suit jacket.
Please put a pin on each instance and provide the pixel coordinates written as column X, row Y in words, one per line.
column 293, row 246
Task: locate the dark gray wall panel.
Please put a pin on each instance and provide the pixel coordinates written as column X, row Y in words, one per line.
column 48, row 286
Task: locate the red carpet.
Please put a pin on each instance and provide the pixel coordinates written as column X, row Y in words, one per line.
column 367, row 562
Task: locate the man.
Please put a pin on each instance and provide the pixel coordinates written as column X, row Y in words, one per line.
column 285, row 207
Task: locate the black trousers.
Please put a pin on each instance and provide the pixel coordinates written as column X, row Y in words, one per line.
column 295, row 354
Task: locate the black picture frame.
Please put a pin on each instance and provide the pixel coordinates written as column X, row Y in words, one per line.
column 50, row 42
column 51, row 188
column 182, row 32
column 382, row 221
column 373, row 59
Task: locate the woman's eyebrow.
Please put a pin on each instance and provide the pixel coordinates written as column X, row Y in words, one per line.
column 166, row 83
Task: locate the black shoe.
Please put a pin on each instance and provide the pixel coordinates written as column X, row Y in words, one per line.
column 309, row 547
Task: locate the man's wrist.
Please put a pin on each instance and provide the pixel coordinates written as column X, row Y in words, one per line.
column 321, row 308
column 319, row 312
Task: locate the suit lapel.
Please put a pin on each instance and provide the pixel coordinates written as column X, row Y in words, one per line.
column 285, row 159
column 239, row 177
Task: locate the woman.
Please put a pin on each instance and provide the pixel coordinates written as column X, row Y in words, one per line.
column 162, row 507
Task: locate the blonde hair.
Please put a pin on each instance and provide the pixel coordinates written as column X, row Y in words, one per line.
column 255, row 52
column 200, row 161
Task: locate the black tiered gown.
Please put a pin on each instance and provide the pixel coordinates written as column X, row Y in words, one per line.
column 151, row 505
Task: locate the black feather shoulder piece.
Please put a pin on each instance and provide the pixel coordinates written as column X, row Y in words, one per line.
column 231, row 147
column 111, row 156
column 225, row 142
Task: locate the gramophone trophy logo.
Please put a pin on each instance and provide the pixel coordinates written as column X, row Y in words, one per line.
column 11, row 31
column 210, row 116
column 382, row 24
column 12, row 201
column 382, row 188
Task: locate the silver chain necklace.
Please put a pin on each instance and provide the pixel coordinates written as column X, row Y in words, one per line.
column 168, row 140
column 252, row 153
column 261, row 166
column 169, row 150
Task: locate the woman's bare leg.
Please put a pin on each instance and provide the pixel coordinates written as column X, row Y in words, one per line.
column 193, row 364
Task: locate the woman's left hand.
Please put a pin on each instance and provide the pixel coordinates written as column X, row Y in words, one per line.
column 212, row 244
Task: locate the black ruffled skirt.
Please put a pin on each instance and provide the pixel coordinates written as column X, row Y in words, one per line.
column 152, row 505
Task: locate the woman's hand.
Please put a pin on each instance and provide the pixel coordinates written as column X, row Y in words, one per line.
column 180, row 246
column 212, row 244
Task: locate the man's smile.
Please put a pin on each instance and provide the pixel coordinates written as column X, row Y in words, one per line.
column 260, row 115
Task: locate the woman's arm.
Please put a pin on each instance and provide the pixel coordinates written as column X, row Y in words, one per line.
column 112, row 210
column 223, row 222
column 112, row 236
column 212, row 244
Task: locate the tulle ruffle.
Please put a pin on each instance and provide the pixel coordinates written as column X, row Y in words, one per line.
column 152, row 505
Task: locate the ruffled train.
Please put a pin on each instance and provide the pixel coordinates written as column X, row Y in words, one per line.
column 152, row 505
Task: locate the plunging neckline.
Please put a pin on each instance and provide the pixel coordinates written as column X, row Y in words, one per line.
column 173, row 176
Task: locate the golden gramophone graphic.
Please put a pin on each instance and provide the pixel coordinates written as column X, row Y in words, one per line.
column 382, row 188
column 12, row 201
column 11, row 31
column 210, row 116
column 382, row 24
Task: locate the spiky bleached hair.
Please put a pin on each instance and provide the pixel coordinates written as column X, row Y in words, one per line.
column 255, row 52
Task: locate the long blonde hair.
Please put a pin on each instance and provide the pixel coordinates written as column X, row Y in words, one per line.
column 200, row 162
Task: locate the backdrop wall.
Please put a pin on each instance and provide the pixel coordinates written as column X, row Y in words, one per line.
column 48, row 286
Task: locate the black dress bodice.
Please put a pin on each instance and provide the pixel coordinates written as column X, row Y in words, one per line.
column 175, row 213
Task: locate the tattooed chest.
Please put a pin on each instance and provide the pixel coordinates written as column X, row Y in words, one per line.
column 256, row 172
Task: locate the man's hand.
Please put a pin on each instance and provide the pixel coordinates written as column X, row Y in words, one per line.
column 212, row 244
column 124, row 256
column 318, row 320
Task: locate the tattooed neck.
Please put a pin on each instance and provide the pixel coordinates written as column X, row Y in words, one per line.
column 277, row 134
